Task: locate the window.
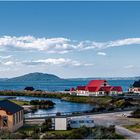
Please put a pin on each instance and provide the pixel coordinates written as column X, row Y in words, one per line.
column 17, row 117
column 90, row 121
column 5, row 121
column 81, row 121
column 22, row 113
column 14, row 119
column 73, row 122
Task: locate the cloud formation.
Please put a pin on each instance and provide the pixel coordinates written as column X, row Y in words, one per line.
column 101, row 53
column 57, row 62
column 129, row 66
column 58, row 45
column 5, row 57
column 8, row 63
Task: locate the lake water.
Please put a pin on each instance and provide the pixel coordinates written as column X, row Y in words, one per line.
column 59, row 86
column 60, row 105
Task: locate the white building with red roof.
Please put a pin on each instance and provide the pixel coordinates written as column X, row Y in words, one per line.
column 97, row 88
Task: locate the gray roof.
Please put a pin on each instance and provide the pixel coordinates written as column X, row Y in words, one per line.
column 10, row 106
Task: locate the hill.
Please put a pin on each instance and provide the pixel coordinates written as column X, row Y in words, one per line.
column 3, row 79
column 35, row 77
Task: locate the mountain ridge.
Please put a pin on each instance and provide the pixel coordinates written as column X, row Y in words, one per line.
column 35, row 77
column 38, row 76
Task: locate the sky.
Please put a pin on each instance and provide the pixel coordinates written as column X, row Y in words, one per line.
column 70, row 39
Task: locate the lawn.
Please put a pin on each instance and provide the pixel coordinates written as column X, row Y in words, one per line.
column 21, row 103
column 60, row 132
column 135, row 128
column 81, row 99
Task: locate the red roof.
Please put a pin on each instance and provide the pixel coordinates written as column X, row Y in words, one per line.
column 98, row 85
column 117, row 88
column 95, row 83
column 72, row 89
column 92, row 89
column 106, row 89
column 81, row 88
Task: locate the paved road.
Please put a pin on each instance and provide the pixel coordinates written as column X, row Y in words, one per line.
column 127, row 133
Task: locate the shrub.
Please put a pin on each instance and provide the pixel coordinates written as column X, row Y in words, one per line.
column 136, row 113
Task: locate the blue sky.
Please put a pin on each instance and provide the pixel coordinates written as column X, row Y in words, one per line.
column 70, row 39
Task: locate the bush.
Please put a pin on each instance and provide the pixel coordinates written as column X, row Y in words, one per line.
column 29, row 88
column 106, row 133
column 136, row 113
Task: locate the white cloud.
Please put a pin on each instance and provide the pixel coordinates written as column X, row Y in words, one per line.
column 5, row 57
column 52, row 45
column 57, row 62
column 58, row 45
column 8, row 63
column 129, row 66
column 101, row 53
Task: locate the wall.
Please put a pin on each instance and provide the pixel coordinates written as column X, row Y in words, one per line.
column 11, row 127
column 60, row 123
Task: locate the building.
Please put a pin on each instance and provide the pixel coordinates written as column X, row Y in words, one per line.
column 97, row 88
column 135, row 87
column 63, row 123
column 11, row 116
column 59, row 123
column 77, row 122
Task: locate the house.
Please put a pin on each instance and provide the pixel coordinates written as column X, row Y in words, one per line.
column 135, row 87
column 63, row 122
column 11, row 116
column 97, row 88
column 77, row 122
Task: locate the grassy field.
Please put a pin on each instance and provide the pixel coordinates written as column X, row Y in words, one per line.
column 135, row 128
column 60, row 132
column 21, row 103
column 94, row 100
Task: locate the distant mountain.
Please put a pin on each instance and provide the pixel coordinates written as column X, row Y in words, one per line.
column 3, row 79
column 106, row 78
column 36, row 77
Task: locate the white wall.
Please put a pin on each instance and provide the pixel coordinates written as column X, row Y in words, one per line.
column 60, row 123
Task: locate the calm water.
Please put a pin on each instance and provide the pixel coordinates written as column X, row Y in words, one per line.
column 58, row 86
column 60, row 106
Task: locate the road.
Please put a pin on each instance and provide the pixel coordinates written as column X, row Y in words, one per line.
column 118, row 119
column 127, row 133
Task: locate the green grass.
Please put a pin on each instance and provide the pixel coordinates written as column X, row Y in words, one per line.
column 21, row 103
column 135, row 128
column 81, row 99
column 60, row 132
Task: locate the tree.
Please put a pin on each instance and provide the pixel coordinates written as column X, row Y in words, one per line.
column 136, row 113
column 29, row 88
